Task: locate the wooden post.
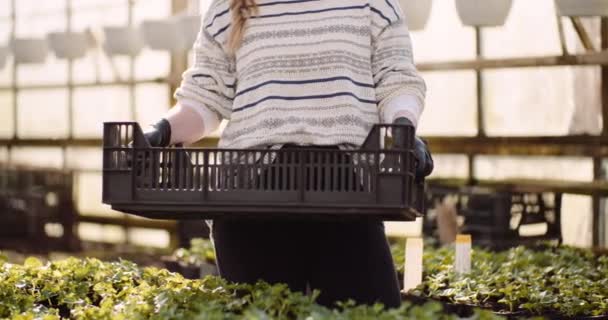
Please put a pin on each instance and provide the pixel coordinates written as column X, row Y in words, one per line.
column 179, row 61
column 562, row 36
column 604, row 35
column 582, row 34
column 599, row 204
column 481, row 131
column 598, row 223
column 14, row 87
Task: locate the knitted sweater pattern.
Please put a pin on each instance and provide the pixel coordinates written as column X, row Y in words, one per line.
column 310, row 72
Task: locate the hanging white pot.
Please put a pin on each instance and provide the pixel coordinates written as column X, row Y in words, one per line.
column 582, row 7
column 188, row 27
column 3, row 56
column 161, row 35
column 122, row 41
column 417, row 12
column 30, row 50
column 483, row 13
column 69, row 45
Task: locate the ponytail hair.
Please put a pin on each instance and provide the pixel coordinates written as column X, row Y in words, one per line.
column 241, row 10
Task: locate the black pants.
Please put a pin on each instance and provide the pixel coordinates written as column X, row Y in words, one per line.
column 344, row 260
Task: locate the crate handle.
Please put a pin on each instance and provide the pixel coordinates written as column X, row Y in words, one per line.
column 124, row 135
column 378, row 137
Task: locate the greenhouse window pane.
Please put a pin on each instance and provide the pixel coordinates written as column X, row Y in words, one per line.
column 42, row 113
column 542, row 101
column 99, row 13
column 152, row 64
column 151, row 9
column 42, row 157
column 5, row 9
column 204, row 6
column 450, row 166
column 451, row 104
column 6, row 67
column 4, row 155
column 149, row 237
column 89, row 195
column 98, row 67
column 507, row 167
column 36, row 18
column 53, row 71
column 101, row 233
column 152, row 102
column 6, row 73
column 7, row 125
column 444, row 38
column 93, row 106
column 81, row 158
column 531, row 30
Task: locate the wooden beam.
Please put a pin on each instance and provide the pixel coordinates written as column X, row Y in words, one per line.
column 597, row 188
column 582, row 33
column 562, row 35
column 594, row 58
column 134, row 222
column 94, row 84
column 590, row 146
column 582, row 145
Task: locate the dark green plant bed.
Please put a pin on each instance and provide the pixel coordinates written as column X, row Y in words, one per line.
column 555, row 282
column 92, row 289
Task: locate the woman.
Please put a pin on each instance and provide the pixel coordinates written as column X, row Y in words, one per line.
column 300, row 73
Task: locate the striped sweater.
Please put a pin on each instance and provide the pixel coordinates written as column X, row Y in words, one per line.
column 308, row 72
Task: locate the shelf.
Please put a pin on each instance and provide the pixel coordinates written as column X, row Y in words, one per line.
column 587, row 146
column 586, row 59
column 579, row 145
column 597, row 188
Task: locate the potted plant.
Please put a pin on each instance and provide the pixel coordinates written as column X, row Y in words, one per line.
column 161, row 35
column 188, row 27
column 30, row 50
column 483, row 13
column 3, row 55
column 417, row 13
column 69, row 45
column 122, row 41
column 582, row 7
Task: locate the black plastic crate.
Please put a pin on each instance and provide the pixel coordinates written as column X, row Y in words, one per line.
column 374, row 181
column 31, row 198
column 498, row 219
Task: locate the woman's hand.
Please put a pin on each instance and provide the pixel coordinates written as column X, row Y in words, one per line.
column 159, row 134
column 424, row 160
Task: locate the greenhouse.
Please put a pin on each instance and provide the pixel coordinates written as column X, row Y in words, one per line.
column 303, row 159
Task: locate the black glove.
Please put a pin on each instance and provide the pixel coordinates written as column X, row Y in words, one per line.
column 160, row 134
column 424, row 160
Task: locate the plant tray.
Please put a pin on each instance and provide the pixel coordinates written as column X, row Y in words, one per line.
column 374, row 181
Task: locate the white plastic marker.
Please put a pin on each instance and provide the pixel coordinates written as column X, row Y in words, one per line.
column 462, row 261
column 412, row 275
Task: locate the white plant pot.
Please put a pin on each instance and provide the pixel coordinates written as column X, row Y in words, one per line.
column 30, row 50
column 3, row 56
column 483, row 13
column 188, row 27
column 122, row 41
column 69, row 45
column 161, row 35
column 582, row 7
column 417, row 12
